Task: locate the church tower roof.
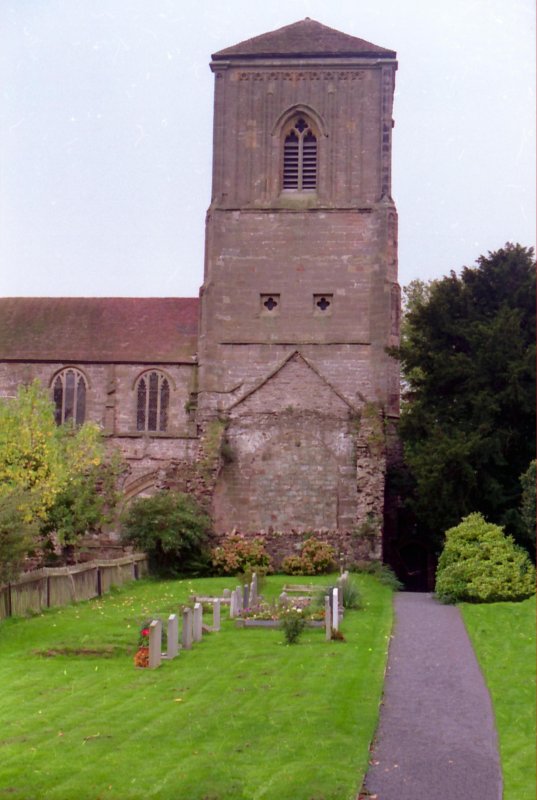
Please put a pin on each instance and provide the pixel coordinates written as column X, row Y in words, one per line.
column 304, row 38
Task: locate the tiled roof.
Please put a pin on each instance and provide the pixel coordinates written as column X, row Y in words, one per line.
column 304, row 38
column 112, row 329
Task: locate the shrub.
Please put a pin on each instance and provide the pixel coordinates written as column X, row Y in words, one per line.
column 382, row 572
column 480, row 564
column 316, row 558
column 292, row 623
column 239, row 555
column 349, row 594
column 172, row 529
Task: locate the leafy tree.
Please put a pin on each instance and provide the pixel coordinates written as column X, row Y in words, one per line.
column 171, row 528
column 56, row 478
column 86, row 502
column 468, row 359
column 18, row 535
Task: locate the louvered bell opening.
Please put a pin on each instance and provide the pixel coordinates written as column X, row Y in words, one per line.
column 309, row 161
column 290, row 162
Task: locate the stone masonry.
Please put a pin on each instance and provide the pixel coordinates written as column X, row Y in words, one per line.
column 280, row 397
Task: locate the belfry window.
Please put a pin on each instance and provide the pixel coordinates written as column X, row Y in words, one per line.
column 152, row 401
column 69, row 397
column 300, row 158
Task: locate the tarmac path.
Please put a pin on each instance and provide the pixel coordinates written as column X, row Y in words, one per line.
column 436, row 738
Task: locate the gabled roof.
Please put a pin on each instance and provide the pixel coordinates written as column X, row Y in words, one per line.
column 100, row 329
column 305, row 38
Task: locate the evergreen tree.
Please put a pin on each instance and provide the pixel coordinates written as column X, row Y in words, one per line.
column 468, row 420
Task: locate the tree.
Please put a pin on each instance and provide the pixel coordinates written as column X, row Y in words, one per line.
column 44, row 468
column 468, row 360
column 18, row 535
column 172, row 529
column 527, row 504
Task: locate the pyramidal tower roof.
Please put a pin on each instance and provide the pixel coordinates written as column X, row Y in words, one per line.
column 306, row 38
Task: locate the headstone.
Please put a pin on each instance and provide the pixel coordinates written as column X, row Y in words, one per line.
column 335, row 609
column 197, row 623
column 246, row 596
column 172, row 645
column 216, row 615
column 226, row 593
column 187, row 629
column 155, row 644
column 233, row 605
column 255, row 589
column 327, row 618
column 253, row 597
column 238, row 593
column 282, row 599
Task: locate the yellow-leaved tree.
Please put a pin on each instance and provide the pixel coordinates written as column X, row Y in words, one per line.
column 39, row 462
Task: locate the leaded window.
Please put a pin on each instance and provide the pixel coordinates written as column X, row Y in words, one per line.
column 300, row 157
column 69, row 396
column 152, row 402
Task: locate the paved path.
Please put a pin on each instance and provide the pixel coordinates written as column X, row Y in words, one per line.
column 436, row 738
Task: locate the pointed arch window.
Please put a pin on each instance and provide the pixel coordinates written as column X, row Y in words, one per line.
column 69, row 397
column 300, row 157
column 152, row 402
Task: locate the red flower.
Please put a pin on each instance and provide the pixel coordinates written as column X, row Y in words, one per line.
column 145, row 632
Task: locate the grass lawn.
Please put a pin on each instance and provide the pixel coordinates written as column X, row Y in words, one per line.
column 239, row 716
column 503, row 636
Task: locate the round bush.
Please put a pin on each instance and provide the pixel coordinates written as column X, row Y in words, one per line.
column 239, row 555
column 171, row 528
column 316, row 558
column 480, row 564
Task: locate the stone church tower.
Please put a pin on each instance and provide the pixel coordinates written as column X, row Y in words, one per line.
column 271, row 399
column 300, row 297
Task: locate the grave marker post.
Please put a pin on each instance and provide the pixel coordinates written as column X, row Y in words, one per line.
column 155, row 644
column 172, row 644
column 335, row 609
column 187, row 629
column 198, row 621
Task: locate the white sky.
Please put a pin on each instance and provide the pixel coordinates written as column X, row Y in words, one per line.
column 106, row 133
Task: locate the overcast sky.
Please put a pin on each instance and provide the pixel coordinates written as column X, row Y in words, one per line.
column 106, row 133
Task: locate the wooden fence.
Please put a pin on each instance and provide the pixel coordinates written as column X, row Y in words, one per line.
column 58, row 586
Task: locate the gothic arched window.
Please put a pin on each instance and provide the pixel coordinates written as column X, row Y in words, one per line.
column 69, row 396
column 300, row 157
column 152, row 401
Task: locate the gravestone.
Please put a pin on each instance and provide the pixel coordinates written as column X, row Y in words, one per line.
column 335, row 609
column 187, row 629
column 197, row 623
column 155, row 644
column 233, row 605
column 283, row 599
column 226, row 593
column 238, row 592
column 246, row 596
column 327, row 618
column 254, row 588
column 216, row 615
column 172, row 644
